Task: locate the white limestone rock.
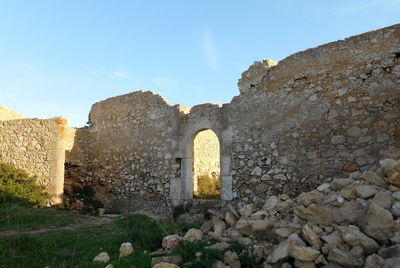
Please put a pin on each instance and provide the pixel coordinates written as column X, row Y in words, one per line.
column 102, row 257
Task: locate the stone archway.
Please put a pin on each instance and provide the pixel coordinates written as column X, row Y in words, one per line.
column 206, row 165
column 186, row 180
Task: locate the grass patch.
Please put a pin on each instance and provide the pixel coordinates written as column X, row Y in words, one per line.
column 188, row 252
column 78, row 248
column 14, row 217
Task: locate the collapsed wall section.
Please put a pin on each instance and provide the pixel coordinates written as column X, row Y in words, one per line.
column 130, row 151
column 320, row 113
column 37, row 146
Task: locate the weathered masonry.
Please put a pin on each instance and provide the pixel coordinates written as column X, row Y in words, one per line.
column 318, row 114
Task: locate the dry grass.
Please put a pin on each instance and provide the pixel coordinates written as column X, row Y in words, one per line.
column 208, row 187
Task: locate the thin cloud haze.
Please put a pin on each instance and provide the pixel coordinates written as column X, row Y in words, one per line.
column 209, row 50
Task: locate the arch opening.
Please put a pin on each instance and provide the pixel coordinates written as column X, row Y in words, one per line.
column 206, row 165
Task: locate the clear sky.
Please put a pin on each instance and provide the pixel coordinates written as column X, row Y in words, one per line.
column 57, row 58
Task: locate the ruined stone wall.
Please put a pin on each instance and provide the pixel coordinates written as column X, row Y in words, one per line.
column 321, row 113
column 206, row 156
column 8, row 114
column 37, row 146
column 317, row 114
column 130, row 151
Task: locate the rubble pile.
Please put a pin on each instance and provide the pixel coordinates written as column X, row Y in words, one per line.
column 350, row 222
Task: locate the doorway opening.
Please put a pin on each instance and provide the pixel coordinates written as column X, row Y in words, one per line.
column 206, row 165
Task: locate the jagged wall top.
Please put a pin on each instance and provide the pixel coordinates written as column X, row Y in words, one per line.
column 333, row 57
column 8, row 114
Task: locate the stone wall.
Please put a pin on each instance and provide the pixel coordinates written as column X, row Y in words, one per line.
column 37, row 146
column 127, row 153
column 318, row 114
column 321, row 113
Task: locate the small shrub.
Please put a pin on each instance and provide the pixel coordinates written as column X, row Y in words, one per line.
column 208, row 187
column 16, row 186
column 143, row 232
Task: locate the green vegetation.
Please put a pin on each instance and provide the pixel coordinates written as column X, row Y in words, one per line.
column 208, row 187
column 87, row 195
column 17, row 187
column 13, row 217
column 20, row 198
column 78, row 248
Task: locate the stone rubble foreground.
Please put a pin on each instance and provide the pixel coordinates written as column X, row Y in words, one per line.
column 350, row 222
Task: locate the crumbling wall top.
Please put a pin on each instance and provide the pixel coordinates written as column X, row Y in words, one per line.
column 8, row 114
column 334, row 57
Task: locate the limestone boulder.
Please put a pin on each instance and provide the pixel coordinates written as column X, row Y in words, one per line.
column 270, row 204
column 338, row 184
column 247, row 210
column 349, row 191
column 219, row 264
column 378, row 223
column 193, row 235
column 261, row 229
column 372, row 177
column 383, row 199
column 125, row 249
column 332, row 241
column 366, row 191
column 259, row 215
column 165, row 265
column 351, row 211
column 243, row 226
column 303, row 253
column 374, row 261
column 344, row 258
column 281, row 252
column 175, row 259
column 395, row 209
column 230, row 219
column 207, row 226
column 219, row 226
column 394, row 179
column 314, row 213
column 311, row 237
column 354, row 237
column 232, row 259
column 390, row 166
column 171, row 241
column 102, row 257
column 306, row 199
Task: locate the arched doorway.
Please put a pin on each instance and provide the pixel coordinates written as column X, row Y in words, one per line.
column 206, row 165
column 183, row 187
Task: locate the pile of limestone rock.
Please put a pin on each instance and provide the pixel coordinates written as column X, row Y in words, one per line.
column 350, row 222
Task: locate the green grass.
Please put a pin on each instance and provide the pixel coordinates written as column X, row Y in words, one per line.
column 18, row 218
column 78, row 248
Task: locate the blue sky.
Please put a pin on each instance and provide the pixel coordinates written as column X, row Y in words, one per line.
column 57, row 58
